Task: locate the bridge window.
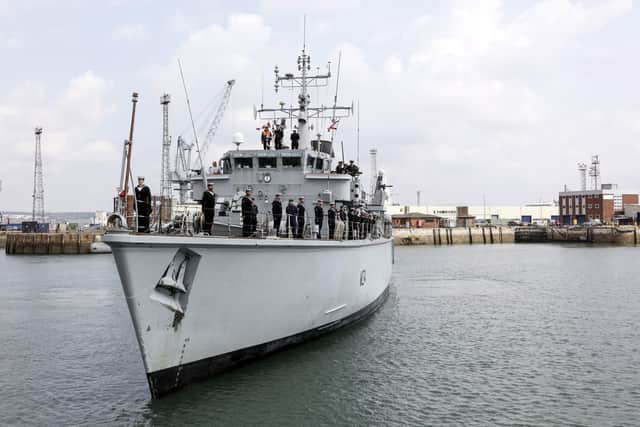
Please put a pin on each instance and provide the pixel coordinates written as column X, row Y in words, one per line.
column 310, row 161
column 226, row 166
column 267, row 162
column 243, row 162
column 319, row 163
column 291, row 162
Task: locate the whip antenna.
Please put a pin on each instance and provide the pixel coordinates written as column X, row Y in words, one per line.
column 193, row 125
column 335, row 98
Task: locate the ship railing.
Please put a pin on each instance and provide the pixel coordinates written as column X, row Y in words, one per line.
column 190, row 223
column 288, row 228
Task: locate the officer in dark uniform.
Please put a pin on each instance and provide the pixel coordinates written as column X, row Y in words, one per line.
column 292, row 214
column 295, row 140
column 351, row 217
column 254, row 216
column 331, row 219
column 276, row 211
column 143, row 206
column 208, row 208
column 343, row 218
column 278, row 135
column 301, row 211
column 247, row 213
column 319, row 217
column 364, row 224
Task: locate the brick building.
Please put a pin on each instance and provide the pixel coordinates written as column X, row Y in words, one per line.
column 416, row 220
column 578, row 207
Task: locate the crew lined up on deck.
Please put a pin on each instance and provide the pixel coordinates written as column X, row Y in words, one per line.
column 343, row 223
column 351, row 224
column 266, row 136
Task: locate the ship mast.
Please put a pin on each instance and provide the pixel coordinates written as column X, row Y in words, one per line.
column 304, row 65
column 303, row 113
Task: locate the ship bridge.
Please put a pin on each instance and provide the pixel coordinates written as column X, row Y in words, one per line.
column 293, row 173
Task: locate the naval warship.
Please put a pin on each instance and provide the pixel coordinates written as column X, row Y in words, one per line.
column 203, row 303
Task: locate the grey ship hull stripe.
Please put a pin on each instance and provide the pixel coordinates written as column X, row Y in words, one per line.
column 172, row 379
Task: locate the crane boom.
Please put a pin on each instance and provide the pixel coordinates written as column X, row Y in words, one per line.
column 215, row 122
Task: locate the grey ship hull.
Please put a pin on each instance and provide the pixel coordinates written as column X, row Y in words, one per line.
column 240, row 298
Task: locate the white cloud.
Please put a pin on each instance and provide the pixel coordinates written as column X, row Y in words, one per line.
column 72, row 147
column 130, row 33
column 86, row 98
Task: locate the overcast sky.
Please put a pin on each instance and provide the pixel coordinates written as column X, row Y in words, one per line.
column 461, row 99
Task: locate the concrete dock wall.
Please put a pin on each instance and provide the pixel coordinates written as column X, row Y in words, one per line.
column 453, row 236
column 604, row 235
column 50, row 243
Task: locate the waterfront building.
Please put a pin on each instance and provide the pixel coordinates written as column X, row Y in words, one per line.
column 416, row 220
column 578, row 207
column 543, row 212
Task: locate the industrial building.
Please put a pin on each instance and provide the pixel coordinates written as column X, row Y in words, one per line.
column 465, row 216
column 600, row 203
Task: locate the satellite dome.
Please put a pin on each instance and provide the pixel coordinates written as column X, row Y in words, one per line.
column 238, row 138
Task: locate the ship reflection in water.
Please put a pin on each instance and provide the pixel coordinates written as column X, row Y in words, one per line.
column 471, row 335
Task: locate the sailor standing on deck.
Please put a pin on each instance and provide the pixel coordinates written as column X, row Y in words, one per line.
column 352, row 224
column 331, row 220
column 295, row 140
column 300, row 219
column 208, row 208
column 278, row 135
column 276, row 211
column 143, row 205
column 343, row 219
column 247, row 213
column 292, row 213
column 319, row 217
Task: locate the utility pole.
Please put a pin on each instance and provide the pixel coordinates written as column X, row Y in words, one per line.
column 418, row 198
column 38, row 181
column 165, row 179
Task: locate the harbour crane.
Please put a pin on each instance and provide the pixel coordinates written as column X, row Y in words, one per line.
column 183, row 171
column 215, row 122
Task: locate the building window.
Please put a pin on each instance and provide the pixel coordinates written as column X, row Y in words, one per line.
column 597, row 205
column 589, row 206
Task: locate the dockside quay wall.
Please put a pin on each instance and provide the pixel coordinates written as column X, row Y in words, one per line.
column 50, row 243
column 453, row 236
column 625, row 235
column 602, row 235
